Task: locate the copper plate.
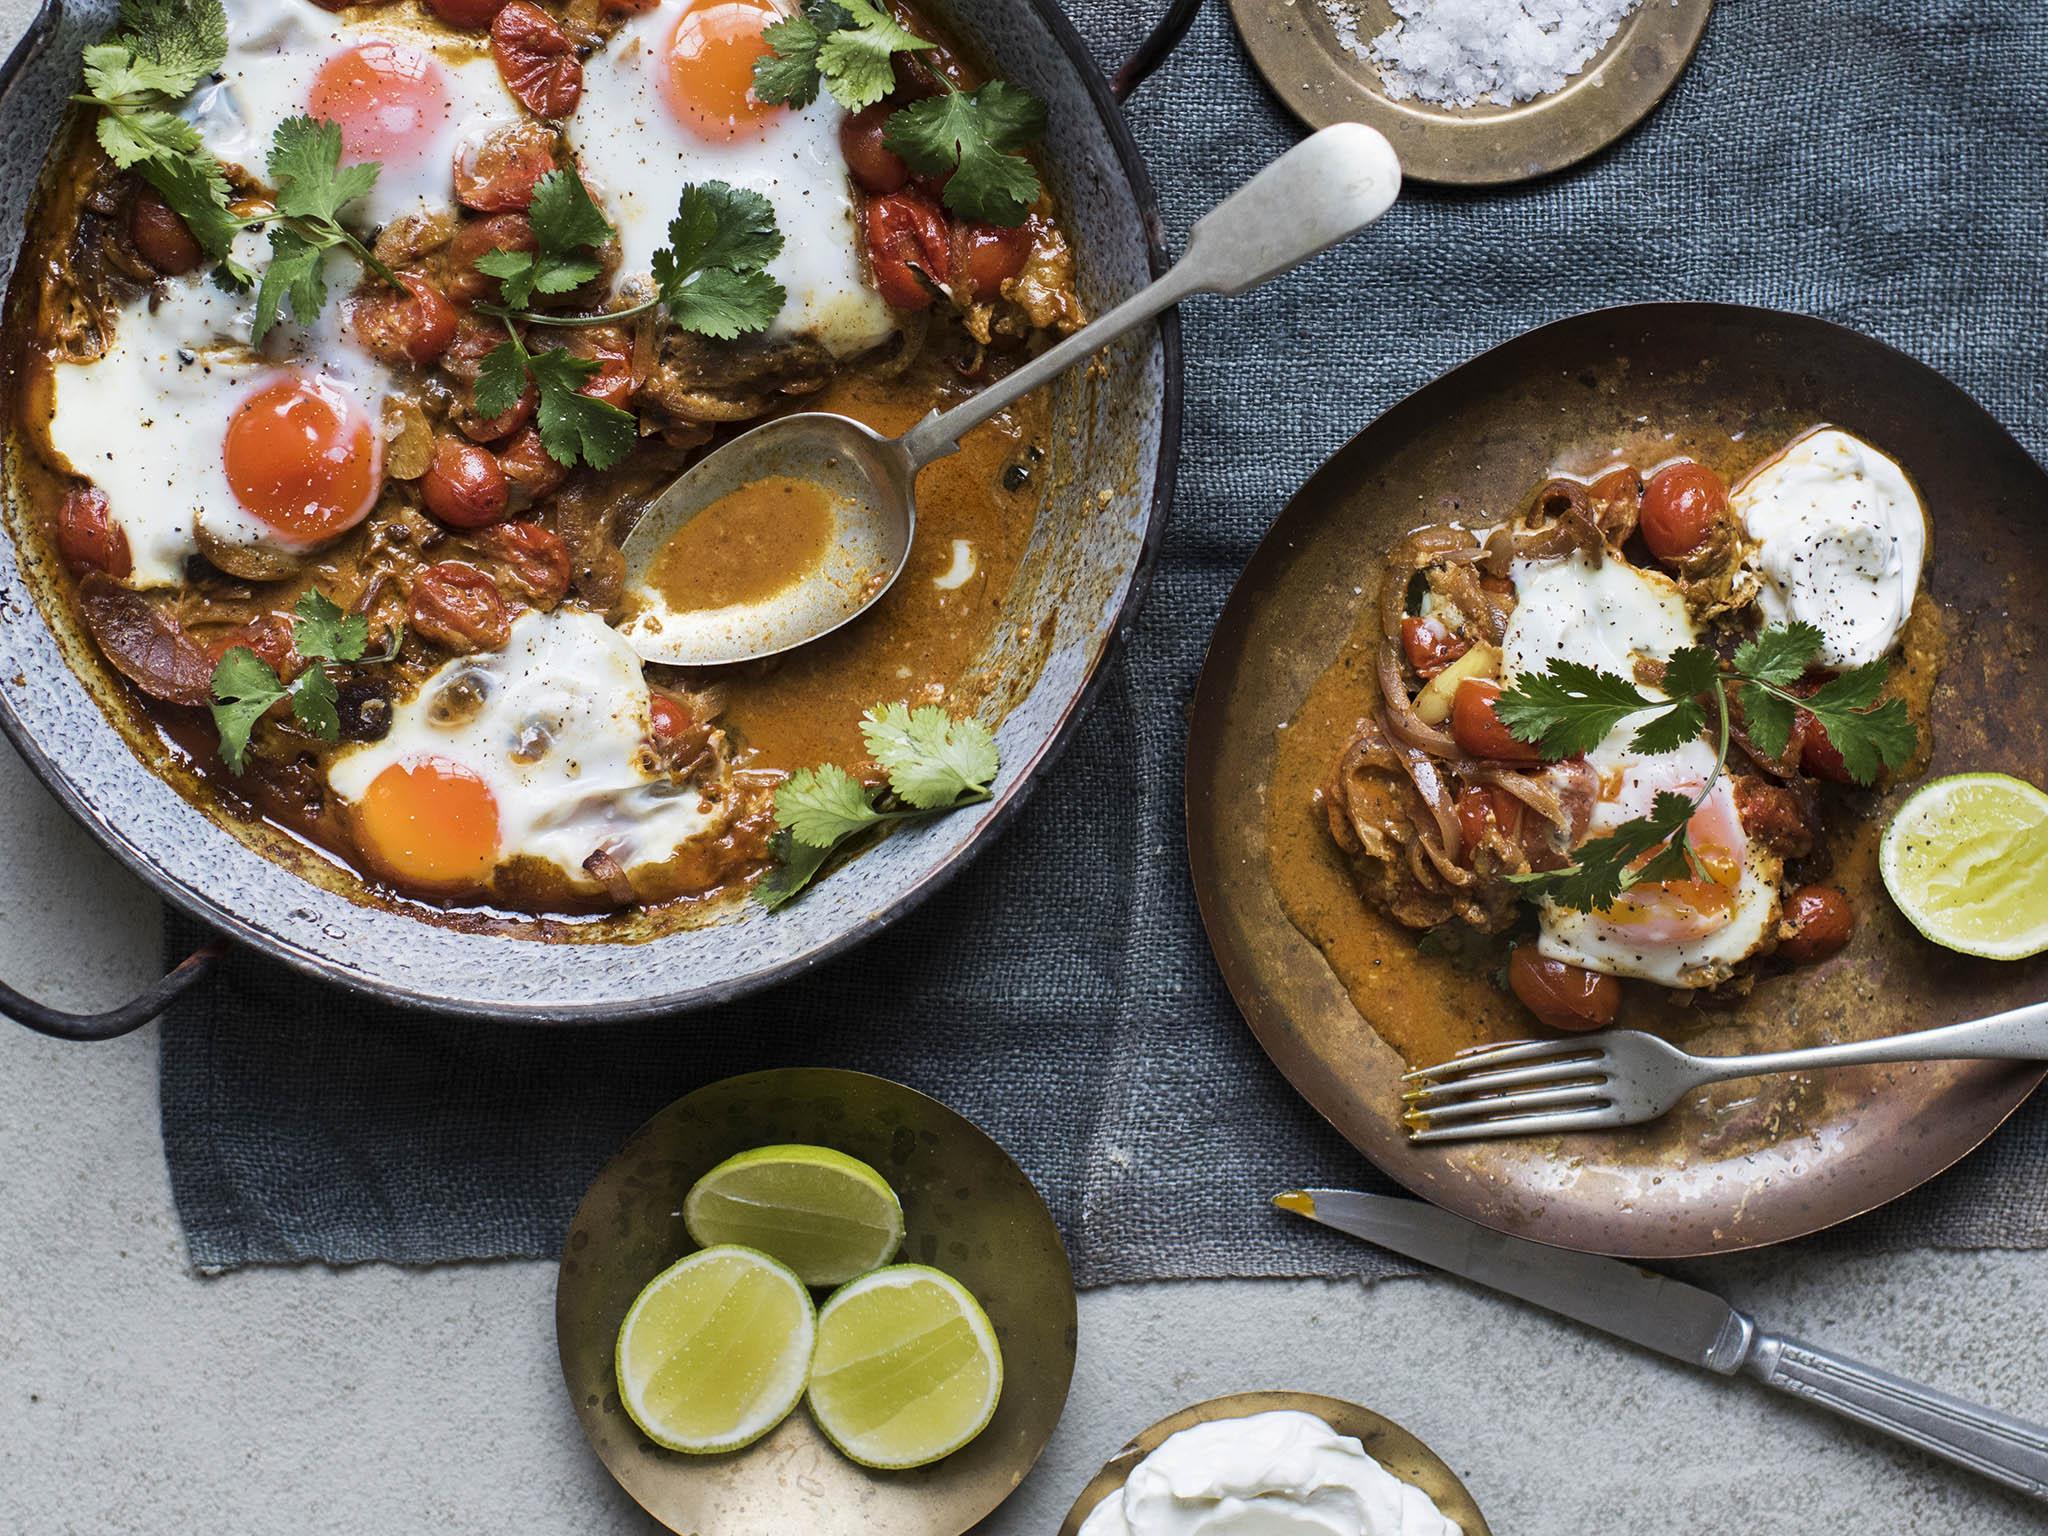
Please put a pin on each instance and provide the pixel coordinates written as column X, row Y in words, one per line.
column 1296, row 47
column 967, row 1208
column 1384, row 1440
column 1716, row 380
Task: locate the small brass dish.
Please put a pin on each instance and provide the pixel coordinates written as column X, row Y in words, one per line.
column 968, row 1210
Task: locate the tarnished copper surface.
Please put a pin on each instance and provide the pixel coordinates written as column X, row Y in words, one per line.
column 1385, row 1441
column 967, row 1209
column 1746, row 1164
column 1320, row 81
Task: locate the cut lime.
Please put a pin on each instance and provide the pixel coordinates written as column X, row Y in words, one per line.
column 907, row 1368
column 715, row 1351
column 1966, row 859
column 827, row 1216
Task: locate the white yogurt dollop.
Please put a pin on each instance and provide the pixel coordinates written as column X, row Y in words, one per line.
column 1272, row 1474
column 1842, row 538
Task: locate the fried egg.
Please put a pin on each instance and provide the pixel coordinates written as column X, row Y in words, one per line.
column 1681, row 933
column 538, row 751
column 404, row 97
column 182, row 425
column 668, row 102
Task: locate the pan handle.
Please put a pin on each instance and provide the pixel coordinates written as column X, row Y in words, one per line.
column 115, row 1022
column 1152, row 52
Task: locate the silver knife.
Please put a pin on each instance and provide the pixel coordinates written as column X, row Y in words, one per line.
column 1690, row 1324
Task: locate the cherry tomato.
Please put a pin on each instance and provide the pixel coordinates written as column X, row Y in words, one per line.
column 466, row 13
column 671, row 718
column 537, row 59
column 415, row 326
column 1817, row 755
column 161, row 237
column 529, row 466
column 1477, row 728
column 1563, row 996
column 908, row 235
column 464, row 486
column 535, row 558
column 457, row 606
column 988, row 256
column 494, row 232
column 875, row 166
column 1429, row 646
column 1818, row 921
column 612, row 350
column 498, row 172
column 1681, row 504
column 88, row 537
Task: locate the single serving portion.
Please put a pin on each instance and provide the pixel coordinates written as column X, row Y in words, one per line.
column 352, row 339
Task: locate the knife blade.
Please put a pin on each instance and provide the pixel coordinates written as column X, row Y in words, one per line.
column 1690, row 1324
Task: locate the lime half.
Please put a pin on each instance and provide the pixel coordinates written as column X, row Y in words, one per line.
column 827, row 1216
column 1966, row 859
column 907, row 1368
column 715, row 1351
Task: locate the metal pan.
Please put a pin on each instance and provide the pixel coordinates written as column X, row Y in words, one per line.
column 1117, row 435
column 1728, row 383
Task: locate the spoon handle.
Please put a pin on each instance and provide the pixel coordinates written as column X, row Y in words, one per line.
column 1325, row 189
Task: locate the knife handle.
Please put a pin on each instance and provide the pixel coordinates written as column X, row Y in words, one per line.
column 2004, row 1449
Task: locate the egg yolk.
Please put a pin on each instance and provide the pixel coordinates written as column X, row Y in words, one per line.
column 709, row 78
column 301, row 456
column 429, row 826
column 1675, row 911
column 387, row 97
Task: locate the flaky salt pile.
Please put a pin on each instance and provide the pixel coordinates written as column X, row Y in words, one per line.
column 1459, row 52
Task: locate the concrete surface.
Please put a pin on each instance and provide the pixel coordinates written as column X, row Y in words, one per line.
column 136, row 1400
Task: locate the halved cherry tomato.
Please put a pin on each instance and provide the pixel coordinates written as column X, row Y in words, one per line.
column 161, row 236
column 1563, row 996
column 457, row 606
column 88, row 537
column 498, row 172
column 1477, row 729
column 1482, row 809
column 908, row 235
column 464, row 486
column 537, row 59
column 466, row 13
column 535, row 558
column 529, row 466
column 1820, row 921
column 988, row 256
column 1681, row 504
column 415, row 326
column 1429, row 645
column 495, row 232
column 612, row 350
column 875, row 166
column 671, row 718
column 271, row 636
column 1818, row 756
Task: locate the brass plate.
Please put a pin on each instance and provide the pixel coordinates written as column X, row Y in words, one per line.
column 1296, row 47
column 1384, row 1440
column 967, row 1208
column 1721, row 380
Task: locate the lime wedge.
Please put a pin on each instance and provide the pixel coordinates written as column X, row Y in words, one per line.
column 827, row 1216
column 907, row 1368
column 1966, row 859
column 714, row 1352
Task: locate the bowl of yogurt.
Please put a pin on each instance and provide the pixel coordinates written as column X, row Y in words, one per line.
column 1275, row 1464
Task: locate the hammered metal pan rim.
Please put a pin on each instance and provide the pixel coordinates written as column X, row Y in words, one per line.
column 1420, row 1170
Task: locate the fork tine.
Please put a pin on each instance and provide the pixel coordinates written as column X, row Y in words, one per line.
column 1500, row 1055
column 1591, row 1095
column 1523, row 1125
column 1542, row 1072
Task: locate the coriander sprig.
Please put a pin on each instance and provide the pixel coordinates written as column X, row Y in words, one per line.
column 568, row 230
column 934, row 762
column 245, row 685
column 843, row 45
column 313, row 186
column 575, row 428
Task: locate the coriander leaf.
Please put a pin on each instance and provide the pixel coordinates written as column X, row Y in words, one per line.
column 134, row 138
column 501, row 379
column 574, row 426
column 1569, row 707
column 1682, row 721
column 1779, row 656
column 787, row 75
column 567, row 225
column 933, row 760
column 305, row 164
column 724, row 305
column 244, row 686
column 516, row 272
column 823, row 806
column 323, row 632
column 1600, row 868
column 1690, row 670
column 796, row 866
column 182, row 41
column 1869, row 739
column 974, row 135
column 293, row 276
column 315, row 700
column 854, row 60
column 197, row 192
column 1766, row 717
column 720, row 225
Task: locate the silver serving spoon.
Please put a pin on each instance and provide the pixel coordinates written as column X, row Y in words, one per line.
column 1325, row 189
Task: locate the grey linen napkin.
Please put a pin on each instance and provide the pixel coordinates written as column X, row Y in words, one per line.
column 1880, row 162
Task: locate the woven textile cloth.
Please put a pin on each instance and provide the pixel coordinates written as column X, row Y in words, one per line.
column 1878, row 162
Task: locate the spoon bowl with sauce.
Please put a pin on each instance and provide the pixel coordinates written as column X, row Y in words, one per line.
column 794, row 528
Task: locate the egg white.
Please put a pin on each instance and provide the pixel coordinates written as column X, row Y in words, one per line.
column 561, row 741
column 637, row 157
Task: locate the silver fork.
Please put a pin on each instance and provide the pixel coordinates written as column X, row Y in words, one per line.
column 1624, row 1077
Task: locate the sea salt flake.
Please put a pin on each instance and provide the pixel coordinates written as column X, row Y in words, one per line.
column 1457, row 53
